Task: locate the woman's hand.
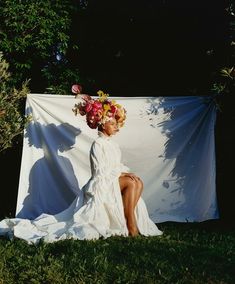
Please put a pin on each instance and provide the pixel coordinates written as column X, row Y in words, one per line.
column 130, row 175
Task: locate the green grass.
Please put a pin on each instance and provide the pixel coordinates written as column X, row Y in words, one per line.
column 186, row 253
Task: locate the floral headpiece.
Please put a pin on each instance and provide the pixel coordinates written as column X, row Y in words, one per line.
column 98, row 111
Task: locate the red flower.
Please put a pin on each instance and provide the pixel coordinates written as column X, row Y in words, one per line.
column 113, row 109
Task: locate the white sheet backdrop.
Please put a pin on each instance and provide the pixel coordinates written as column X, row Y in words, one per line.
column 167, row 141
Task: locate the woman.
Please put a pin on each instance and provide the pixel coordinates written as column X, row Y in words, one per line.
column 131, row 186
column 110, row 202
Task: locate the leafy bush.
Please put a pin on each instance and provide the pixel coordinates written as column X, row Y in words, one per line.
column 11, row 101
column 34, row 38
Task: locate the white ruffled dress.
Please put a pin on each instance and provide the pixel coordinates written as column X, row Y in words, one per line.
column 96, row 212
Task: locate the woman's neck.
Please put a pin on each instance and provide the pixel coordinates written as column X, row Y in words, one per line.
column 102, row 133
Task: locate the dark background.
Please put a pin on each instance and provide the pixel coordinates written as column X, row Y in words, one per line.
column 133, row 48
column 148, row 48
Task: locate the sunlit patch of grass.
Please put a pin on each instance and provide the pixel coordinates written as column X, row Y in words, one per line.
column 185, row 253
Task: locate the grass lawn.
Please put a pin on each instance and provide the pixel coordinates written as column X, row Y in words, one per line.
column 185, row 253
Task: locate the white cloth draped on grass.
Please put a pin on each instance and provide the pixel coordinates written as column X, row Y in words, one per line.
column 167, row 141
column 97, row 211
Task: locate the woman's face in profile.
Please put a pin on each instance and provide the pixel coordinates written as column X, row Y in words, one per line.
column 110, row 127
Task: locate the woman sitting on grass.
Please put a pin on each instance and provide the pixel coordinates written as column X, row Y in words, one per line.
column 110, row 203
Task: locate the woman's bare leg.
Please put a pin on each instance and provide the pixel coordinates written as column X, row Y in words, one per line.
column 131, row 191
column 139, row 190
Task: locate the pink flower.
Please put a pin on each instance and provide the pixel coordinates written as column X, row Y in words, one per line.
column 76, row 89
column 97, row 105
column 88, row 107
column 86, row 98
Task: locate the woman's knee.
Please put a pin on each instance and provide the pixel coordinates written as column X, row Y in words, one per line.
column 136, row 184
column 130, row 182
column 127, row 182
column 140, row 184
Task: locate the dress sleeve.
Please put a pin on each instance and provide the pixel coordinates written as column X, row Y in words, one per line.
column 122, row 167
column 100, row 165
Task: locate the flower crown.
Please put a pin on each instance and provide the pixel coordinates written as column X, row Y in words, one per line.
column 98, row 111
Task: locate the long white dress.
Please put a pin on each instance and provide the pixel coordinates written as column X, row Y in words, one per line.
column 96, row 212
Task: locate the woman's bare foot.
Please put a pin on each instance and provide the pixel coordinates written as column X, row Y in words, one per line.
column 133, row 230
column 133, row 233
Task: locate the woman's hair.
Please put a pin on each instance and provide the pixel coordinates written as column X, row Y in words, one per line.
column 98, row 111
column 100, row 127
